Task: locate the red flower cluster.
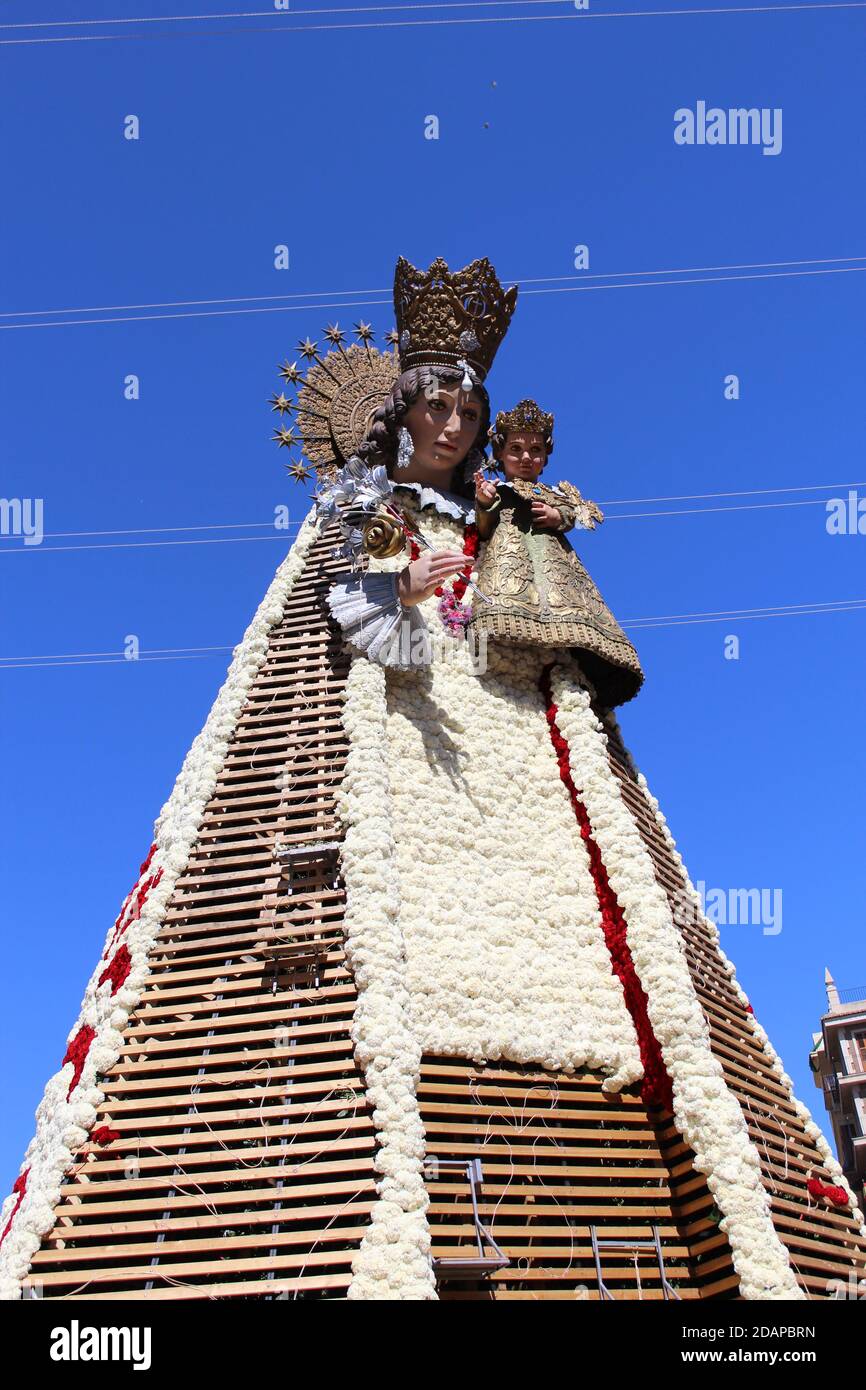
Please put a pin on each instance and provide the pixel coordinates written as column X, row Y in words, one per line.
column 837, row 1195
column 20, row 1187
column 461, row 582
column 104, row 1134
column 118, row 970
column 657, row 1088
column 136, row 896
column 77, row 1052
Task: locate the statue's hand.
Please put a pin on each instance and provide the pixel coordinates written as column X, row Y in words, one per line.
column 423, row 576
column 485, row 491
column 545, row 516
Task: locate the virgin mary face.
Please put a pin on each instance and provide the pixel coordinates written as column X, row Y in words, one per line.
column 443, row 426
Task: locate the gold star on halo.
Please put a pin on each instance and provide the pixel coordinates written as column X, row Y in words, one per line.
column 289, row 372
column 308, row 348
column 392, row 337
column 286, row 438
column 363, row 331
column 299, row 470
column 335, row 334
column 280, row 403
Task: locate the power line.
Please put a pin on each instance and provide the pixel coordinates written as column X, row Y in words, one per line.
column 134, row 545
column 707, row 511
column 701, row 496
column 204, row 314
column 149, row 651
column 294, row 526
column 319, row 294
column 292, row 28
column 744, row 617
column 833, row 265
column 112, row 661
column 815, row 609
column 270, row 14
column 765, row 609
column 160, row 530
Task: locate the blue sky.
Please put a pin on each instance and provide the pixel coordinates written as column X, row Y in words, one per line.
column 553, row 132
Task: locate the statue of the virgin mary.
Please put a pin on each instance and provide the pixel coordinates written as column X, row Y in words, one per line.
column 489, row 862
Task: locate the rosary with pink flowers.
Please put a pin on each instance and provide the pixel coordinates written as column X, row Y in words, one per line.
column 455, row 614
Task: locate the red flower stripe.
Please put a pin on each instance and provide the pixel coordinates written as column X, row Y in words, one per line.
column 118, row 970
column 656, row 1088
column 137, row 895
column 77, row 1052
column 20, row 1187
column 104, row 1134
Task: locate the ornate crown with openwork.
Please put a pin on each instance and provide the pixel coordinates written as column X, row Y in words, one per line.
column 445, row 318
column 526, row 415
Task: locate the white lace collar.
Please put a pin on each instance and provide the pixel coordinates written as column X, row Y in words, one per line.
column 448, row 503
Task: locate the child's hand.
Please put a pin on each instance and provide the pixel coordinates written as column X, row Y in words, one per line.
column 545, row 516
column 485, row 492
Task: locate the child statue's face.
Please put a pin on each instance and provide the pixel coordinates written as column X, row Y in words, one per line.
column 523, row 456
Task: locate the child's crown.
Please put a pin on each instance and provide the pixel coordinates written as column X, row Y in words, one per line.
column 526, row 415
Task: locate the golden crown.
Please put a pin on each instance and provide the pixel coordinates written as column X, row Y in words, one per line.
column 526, row 415
column 445, row 318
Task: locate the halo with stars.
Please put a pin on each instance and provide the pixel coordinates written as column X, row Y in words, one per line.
column 339, row 389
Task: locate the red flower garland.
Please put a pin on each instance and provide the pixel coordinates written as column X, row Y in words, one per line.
column 77, row 1052
column 19, row 1186
column 143, row 889
column 104, row 1134
column 837, row 1195
column 118, row 970
column 657, row 1088
column 470, row 548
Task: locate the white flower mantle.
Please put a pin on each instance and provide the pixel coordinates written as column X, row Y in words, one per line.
column 706, row 1112
column 63, row 1125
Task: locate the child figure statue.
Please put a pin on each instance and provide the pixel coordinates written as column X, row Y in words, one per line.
column 538, row 592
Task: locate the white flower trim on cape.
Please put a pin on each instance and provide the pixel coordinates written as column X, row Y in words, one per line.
column 706, row 1112
column 815, row 1133
column 63, row 1125
column 394, row 1260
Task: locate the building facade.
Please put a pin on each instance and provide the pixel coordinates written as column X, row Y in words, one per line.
column 838, row 1062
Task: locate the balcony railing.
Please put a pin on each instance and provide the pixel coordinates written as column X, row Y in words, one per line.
column 851, row 996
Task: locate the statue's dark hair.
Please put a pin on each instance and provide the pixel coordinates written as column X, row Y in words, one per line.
column 381, row 443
